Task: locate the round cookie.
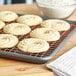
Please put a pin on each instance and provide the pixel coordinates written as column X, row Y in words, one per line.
column 17, row 29
column 8, row 41
column 8, row 16
column 33, row 45
column 45, row 34
column 2, row 24
column 56, row 24
column 30, row 20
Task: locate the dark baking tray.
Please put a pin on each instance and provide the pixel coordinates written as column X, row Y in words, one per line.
column 15, row 54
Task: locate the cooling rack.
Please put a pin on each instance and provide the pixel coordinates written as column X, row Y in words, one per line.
column 15, row 54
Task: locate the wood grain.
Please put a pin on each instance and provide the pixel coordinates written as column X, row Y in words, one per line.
column 16, row 68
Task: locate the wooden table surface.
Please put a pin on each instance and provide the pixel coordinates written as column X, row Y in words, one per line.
column 16, row 68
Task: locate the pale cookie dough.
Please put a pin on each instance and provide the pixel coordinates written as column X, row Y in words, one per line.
column 17, row 29
column 8, row 16
column 56, row 24
column 33, row 45
column 2, row 24
column 30, row 20
column 45, row 34
column 8, row 41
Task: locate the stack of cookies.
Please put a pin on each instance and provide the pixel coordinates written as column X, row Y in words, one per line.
column 13, row 25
